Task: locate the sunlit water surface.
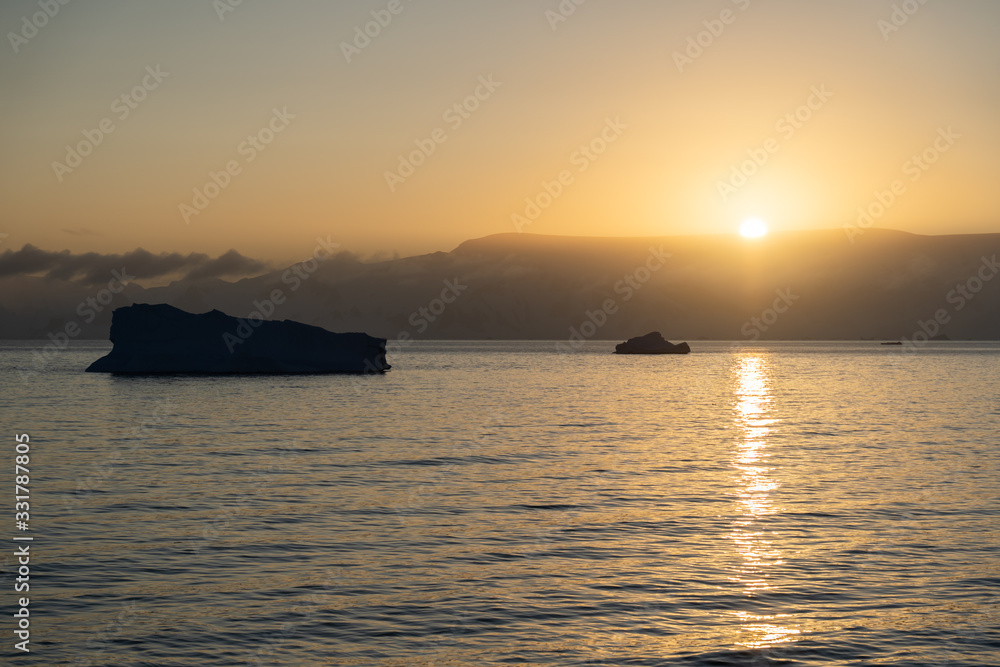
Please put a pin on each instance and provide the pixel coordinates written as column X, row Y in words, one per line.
column 499, row 503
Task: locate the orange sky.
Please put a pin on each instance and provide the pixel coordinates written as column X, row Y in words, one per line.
column 667, row 120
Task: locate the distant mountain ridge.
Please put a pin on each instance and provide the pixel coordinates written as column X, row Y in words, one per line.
column 791, row 285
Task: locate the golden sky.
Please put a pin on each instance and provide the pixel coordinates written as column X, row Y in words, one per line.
column 459, row 117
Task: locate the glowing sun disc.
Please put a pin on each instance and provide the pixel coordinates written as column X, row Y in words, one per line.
column 754, row 228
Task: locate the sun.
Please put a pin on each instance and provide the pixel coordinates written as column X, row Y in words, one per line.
column 753, row 228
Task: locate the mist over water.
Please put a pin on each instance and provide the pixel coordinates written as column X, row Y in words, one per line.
column 500, row 503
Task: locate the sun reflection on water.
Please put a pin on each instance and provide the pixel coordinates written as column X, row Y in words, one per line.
column 753, row 483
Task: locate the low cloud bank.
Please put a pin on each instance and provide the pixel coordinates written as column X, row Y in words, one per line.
column 94, row 268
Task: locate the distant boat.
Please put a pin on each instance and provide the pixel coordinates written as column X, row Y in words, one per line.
column 895, row 342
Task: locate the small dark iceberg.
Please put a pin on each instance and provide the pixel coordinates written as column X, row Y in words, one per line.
column 651, row 343
column 161, row 339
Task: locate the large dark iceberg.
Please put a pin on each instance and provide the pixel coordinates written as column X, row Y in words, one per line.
column 153, row 339
column 651, row 343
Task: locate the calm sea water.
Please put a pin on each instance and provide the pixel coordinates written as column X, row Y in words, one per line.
column 501, row 504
